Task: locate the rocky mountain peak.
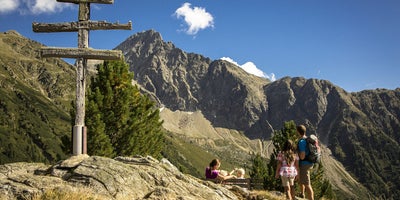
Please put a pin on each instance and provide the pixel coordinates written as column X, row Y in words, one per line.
column 191, row 82
column 149, row 36
column 145, row 43
column 14, row 32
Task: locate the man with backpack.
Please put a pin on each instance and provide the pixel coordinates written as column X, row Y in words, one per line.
column 304, row 164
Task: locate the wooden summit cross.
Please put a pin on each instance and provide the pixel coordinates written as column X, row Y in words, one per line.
column 82, row 54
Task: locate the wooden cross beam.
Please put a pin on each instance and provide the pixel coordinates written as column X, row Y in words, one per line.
column 88, row 1
column 85, row 53
column 75, row 26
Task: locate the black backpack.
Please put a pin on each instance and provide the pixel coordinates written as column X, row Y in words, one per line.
column 315, row 153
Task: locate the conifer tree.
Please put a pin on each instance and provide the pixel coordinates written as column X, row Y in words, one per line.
column 321, row 186
column 98, row 140
column 145, row 123
column 118, row 115
column 258, row 168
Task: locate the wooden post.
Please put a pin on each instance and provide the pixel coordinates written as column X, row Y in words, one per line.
column 81, row 65
column 82, row 54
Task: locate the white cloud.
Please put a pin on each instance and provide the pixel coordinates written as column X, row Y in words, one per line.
column 196, row 18
column 271, row 77
column 230, row 60
column 251, row 68
column 46, row 6
column 25, row 7
column 8, row 5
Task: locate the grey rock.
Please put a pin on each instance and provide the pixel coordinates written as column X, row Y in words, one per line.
column 119, row 178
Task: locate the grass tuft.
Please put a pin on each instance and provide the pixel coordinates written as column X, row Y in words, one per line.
column 84, row 193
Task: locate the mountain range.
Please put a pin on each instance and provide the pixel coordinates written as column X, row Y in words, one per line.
column 361, row 129
column 203, row 100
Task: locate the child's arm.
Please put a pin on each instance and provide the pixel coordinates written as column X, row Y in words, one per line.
column 296, row 164
column 278, row 168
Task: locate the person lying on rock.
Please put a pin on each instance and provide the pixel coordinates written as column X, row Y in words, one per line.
column 213, row 172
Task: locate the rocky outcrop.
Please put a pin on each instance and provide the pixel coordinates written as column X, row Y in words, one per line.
column 105, row 178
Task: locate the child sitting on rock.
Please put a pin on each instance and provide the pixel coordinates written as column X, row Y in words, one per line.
column 238, row 172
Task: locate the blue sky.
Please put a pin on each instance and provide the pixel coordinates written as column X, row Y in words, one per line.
column 355, row 44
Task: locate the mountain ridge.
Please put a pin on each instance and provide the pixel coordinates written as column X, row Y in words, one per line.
column 35, row 97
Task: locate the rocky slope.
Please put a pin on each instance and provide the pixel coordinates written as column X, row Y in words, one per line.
column 35, row 96
column 105, row 178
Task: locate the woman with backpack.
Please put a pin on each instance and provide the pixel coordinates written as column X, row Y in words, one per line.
column 287, row 168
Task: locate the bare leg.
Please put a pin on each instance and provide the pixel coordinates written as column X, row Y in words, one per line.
column 292, row 192
column 287, row 192
column 302, row 188
column 310, row 192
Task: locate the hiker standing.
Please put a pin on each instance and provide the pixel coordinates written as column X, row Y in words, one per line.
column 287, row 168
column 305, row 165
